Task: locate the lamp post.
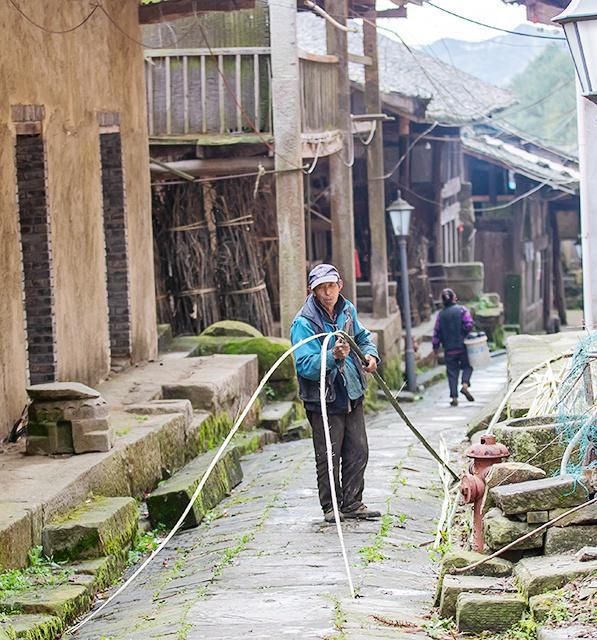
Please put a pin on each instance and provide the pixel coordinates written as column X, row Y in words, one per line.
column 400, row 213
column 579, row 21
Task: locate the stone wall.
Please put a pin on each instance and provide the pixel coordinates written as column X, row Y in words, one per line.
column 68, row 79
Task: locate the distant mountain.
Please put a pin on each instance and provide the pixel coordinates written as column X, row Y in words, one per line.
column 497, row 60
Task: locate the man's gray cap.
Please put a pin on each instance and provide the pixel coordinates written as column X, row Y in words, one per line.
column 323, row 273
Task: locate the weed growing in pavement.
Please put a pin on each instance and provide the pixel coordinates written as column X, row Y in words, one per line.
column 41, row 571
column 145, row 544
column 440, row 628
column 372, row 553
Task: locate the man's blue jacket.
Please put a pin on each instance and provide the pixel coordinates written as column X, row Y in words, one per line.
column 313, row 319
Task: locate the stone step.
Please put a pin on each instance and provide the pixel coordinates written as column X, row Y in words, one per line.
column 218, row 384
column 65, row 601
column 298, row 430
column 364, row 289
column 167, row 503
column 539, row 495
column 365, row 304
column 572, row 632
column 251, row 441
column 99, row 527
column 542, row 574
column 32, row 626
column 277, row 416
column 454, row 585
column 206, row 432
column 476, row 613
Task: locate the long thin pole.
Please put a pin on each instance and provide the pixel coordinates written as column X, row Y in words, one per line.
column 390, row 396
column 409, row 354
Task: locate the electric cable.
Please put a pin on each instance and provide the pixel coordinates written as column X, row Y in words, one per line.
column 53, row 31
column 489, row 26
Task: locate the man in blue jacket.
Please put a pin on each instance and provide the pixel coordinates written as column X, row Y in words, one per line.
column 326, row 310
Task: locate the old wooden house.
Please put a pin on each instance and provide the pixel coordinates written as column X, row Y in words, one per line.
column 424, row 104
column 77, row 292
column 526, row 204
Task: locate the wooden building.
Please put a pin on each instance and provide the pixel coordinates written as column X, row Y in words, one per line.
column 526, row 203
column 77, row 294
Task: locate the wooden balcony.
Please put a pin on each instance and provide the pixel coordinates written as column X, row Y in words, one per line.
column 220, row 96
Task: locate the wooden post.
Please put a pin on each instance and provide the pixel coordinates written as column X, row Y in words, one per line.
column 341, row 197
column 287, row 138
column 375, row 169
column 558, row 279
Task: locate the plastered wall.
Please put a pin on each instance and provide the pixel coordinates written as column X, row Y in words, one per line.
column 75, row 75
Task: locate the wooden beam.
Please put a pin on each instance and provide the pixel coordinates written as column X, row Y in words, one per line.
column 399, row 12
column 172, row 9
column 316, row 57
column 357, row 59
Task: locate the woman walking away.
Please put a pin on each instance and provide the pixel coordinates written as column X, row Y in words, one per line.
column 452, row 325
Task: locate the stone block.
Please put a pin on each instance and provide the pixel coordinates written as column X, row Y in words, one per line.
column 103, row 526
column 476, row 613
column 388, row 332
column 298, row 430
column 205, row 432
column 16, row 535
column 542, row 574
column 66, row 601
column 460, row 558
column 61, row 391
column 220, row 383
column 251, row 441
column 454, row 585
column 159, row 407
column 87, row 437
column 144, row 463
column 168, row 502
column 32, row 626
column 572, row 632
column 572, row 538
column 586, row 554
column 104, row 570
column 172, row 442
column 500, row 531
column 508, row 473
column 586, row 515
column 532, row 439
column 277, row 416
column 538, row 495
column 537, row 517
column 542, row 604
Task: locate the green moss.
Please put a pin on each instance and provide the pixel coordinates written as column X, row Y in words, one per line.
column 231, row 328
column 392, row 372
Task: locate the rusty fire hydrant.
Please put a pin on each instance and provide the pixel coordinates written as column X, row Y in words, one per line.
column 472, row 486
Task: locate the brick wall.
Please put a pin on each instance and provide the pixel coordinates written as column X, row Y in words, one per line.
column 115, row 229
column 37, row 257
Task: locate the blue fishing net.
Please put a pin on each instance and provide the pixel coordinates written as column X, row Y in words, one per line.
column 576, row 409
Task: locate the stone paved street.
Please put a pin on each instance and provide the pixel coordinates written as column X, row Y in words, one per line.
column 265, row 566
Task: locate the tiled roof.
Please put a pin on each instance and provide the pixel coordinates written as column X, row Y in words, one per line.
column 454, row 97
column 558, row 175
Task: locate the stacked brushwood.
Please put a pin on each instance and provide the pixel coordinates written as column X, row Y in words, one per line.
column 186, row 282
column 208, row 260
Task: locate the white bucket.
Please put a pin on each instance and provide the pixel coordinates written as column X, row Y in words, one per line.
column 477, row 351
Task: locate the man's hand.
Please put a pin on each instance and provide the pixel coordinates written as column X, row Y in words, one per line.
column 341, row 349
column 371, row 364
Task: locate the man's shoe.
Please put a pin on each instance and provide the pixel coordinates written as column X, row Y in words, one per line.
column 466, row 393
column 454, row 402
column 329, row 516
column 362, row 513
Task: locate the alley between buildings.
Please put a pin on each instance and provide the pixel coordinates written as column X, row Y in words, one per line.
column 265, row 566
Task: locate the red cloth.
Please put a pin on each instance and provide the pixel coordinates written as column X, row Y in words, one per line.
column 357, row 265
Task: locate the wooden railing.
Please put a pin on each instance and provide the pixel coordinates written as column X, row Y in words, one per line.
column 228, row 91
column 200, row 91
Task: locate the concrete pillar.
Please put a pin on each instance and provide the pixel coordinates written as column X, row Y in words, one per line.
column 587, row 154
column 375, row 169
column 341, row 198
column 287, row 138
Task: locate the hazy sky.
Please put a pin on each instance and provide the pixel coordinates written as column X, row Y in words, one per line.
column 426, row 24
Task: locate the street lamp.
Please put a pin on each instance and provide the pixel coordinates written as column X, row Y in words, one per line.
column 579, row 21
column 400, row 214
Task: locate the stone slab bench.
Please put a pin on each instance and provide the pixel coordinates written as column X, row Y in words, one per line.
column 542, row 574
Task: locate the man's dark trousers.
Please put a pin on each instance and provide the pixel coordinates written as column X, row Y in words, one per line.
column 349, row 444
column 455, row 361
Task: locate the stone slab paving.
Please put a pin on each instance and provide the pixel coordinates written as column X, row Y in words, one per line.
column 266, row 566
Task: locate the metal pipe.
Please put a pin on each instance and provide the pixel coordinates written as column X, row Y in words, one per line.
column 409, row 353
